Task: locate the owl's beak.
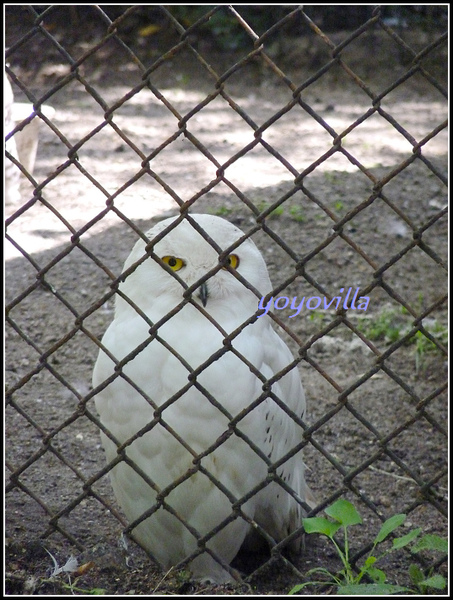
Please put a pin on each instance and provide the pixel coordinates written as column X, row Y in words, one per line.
column 203, row 293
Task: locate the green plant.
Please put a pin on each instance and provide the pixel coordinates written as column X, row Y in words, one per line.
column 73, row 588
column 262, row 205
column 385, row 325
column 424, row 344
column 220, row 211
column 348, row 581
column 91, row 592
column 431, row 543
column 339, row 206
column 297, row 214
column 223, row 27
column 392, row 324
column 318, row 317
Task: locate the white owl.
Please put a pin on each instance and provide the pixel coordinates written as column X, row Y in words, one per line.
column 184, row 402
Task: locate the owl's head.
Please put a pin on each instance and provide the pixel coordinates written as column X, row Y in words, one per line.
column 183, row 255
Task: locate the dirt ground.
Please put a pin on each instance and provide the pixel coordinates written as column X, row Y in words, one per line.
column 393, row 427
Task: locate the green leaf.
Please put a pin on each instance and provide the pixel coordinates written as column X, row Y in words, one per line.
column 344, row 512
column 330, row 580
column 405, row 539
column 431, row 542
column 297, row 588
column 369, row 589
column 370, row 561
column 377, row 575
column 320, row 525
column 322, row 571
column 389, row 526
column 436, row 581
column 416, row 574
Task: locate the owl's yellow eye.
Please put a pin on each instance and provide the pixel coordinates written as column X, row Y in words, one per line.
column 233, row 261
column 174, row 263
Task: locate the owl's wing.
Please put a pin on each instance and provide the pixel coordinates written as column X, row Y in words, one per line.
column 278, row 511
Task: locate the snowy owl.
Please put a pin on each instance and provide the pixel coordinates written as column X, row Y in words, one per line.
column 200, row 426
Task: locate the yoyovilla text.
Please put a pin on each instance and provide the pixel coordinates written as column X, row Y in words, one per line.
column 357, row 303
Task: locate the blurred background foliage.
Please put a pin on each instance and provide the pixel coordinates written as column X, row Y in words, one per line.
column 151, row 30
column 223, row 29
column 229, row 34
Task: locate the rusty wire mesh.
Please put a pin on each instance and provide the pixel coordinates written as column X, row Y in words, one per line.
column 375, row 417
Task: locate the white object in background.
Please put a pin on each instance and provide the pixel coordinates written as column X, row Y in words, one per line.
column 23, row 145
column 12, row 173
column 27, row 138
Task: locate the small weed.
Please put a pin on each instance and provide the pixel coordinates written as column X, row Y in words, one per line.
column 342, row 515
column 424, row 344
column 277, row 212
column 317, row 317
column 332, row 177
column 339, row 206
column 297, row 214
column 221, row 211
column 72, row 587
column 391, row 325
column 263, row 205
column 385, row 326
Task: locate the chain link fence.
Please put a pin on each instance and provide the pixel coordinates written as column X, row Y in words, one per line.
column 329, row 148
